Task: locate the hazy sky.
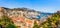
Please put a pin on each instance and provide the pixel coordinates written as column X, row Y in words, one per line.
column 49, row 6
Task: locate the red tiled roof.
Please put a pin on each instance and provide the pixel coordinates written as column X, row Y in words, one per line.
column 18, row 19
column 29, row 21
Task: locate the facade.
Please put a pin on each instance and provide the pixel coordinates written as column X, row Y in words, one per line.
column 21, row 18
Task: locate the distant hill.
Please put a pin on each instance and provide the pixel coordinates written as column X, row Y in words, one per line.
column 41, row 14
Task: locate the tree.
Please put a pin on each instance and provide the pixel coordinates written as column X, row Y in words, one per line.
column 52, row 22
column 35, row 25
column 5, row 21
column 46, row 24
column 11, row 26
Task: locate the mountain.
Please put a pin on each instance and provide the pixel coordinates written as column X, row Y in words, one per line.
column 39, row 14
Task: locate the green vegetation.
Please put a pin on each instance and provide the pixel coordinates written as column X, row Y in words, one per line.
column 36, row 25
column 11, row 26
column 52, row 22
column 6, row 22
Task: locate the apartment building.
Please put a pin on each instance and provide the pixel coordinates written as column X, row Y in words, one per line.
column 21, row 18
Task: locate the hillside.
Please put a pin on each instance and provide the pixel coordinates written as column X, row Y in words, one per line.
column 52, row 21
column 39, row 16
column 21, row 17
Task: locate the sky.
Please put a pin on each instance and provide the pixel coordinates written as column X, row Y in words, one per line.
column 48, row 6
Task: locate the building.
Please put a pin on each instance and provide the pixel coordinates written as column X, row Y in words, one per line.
column 22, row 18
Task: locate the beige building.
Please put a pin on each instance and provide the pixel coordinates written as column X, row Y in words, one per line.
column 20, row 17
